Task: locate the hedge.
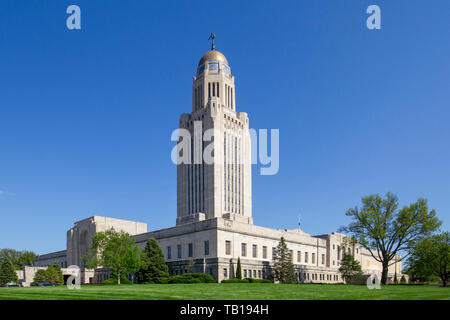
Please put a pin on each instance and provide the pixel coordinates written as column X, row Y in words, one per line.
column 246, row 280
column 188, row 278
column 114, row 281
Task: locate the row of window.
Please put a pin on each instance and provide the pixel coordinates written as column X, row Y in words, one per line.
column 256, row 274
column 264, row 253
column 190, row 250
column 244, row 252
column 321, row 277
column 213, row 65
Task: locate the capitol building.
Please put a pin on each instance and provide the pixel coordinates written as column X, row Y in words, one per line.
column 214, row 224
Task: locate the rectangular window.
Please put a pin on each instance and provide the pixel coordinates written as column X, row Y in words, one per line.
column 245, row 273
column 206, row 247
column 244, row 250
column 254, row 273
column 190, row 250
column 255, row 251
column 179, row 251
column 225, row 272
column 169, row 253
column 306, row 257
column 299, row 256
column 228, row 247
column 323, row 259
column 264, row 252
column 313, row 257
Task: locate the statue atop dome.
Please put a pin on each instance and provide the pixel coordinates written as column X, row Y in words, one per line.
column 212, row 36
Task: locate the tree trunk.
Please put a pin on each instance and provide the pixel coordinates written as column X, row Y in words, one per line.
column 384, row 274
column 118, row 276
column 444, row 280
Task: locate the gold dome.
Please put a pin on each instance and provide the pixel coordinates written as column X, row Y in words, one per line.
column 213, row 54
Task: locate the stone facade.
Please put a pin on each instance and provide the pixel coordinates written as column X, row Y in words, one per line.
column 214, row 225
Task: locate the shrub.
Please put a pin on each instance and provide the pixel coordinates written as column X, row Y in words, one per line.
column 403, row 279
column 114, row 281
column 246, row 280
column 188, row 278
column 252, row 280
column 236, row 280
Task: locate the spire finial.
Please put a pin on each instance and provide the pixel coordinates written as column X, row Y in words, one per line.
column 212, row 36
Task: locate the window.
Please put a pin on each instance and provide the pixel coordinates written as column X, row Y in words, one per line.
column 259, row 274
column 244, row 250
column 169, row 253
column 356, row 250
column 323, row 258
column 254, row 273
column 349, row 251
column 299, row 256
column 264, row 252
column 206, row 247
column 255, row 251
column 228, row 247
column 179, row 251
column 306, row 257
column 273, row 253
column 190, row 250
column 245, row 273
column 225, row 272
column 313, row 258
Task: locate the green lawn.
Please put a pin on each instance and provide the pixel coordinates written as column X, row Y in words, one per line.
column 227, row 291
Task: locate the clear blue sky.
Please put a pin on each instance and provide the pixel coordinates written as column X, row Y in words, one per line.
column 86, row 116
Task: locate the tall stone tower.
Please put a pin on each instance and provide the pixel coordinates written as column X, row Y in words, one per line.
column 222, row 188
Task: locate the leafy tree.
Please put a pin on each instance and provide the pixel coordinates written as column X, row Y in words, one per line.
column 115, row 250
column 19, row 259
column 40, row 276
column 26, row 258
column 283, row 268
column 153, row 264
column 7, row 272
column 350, row 268
column 239, row 269
column 384, row 230
column 54, row 274
column 430, row 257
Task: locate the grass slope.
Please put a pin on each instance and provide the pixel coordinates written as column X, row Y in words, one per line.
column 228, row 292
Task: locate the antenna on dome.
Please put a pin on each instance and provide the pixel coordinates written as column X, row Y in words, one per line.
column 299, row 222
column 212, row 36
